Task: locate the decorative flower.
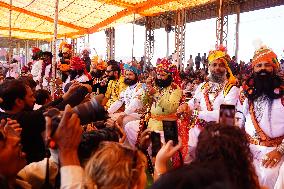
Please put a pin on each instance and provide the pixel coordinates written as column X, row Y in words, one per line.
column 277, row 90
column 250, row 91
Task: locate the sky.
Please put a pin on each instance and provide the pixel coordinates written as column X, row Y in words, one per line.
column 266, row 25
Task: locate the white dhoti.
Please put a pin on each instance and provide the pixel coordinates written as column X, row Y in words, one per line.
column 280, row 179
column 127, row 119
column 267, row 176
column 132, row 129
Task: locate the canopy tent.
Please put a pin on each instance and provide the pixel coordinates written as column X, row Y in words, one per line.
column 34, row 19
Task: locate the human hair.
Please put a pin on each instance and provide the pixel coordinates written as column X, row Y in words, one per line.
column 196, row 175
column 91, row 140
column 28, row 81
column 115, row 166
column 114, row 66
column 41, row 95
column 229, row 145
column 10, row 90
column 47, row 53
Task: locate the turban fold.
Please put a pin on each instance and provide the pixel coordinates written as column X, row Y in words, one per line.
column 132, row 66
column 221, row 54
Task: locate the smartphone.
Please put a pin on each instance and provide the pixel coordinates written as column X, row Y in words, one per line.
column 170, row 131
column 227, row 115
column 156, row 143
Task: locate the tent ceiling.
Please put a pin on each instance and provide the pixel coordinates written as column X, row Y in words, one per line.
column 33, row 19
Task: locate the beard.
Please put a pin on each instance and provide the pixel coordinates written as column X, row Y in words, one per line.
column 164, row 83
column 264, row 83
column 28, row 108
column 111, row 77
column 130, row 82
column 218, row 77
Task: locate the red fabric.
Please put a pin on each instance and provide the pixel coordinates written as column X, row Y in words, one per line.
column 183, row 129
column 77, row 63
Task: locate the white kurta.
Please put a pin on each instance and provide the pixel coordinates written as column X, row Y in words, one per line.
column 272, row 124
column 198, row 101
column 36, row 70
column 129, row 97
column 12, row 69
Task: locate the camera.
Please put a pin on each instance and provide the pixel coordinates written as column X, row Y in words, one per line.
column 88, row 112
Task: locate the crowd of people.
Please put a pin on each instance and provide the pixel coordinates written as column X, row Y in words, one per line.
column 110, row 124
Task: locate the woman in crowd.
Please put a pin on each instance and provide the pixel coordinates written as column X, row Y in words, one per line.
column 220, row 149
column 115, row 166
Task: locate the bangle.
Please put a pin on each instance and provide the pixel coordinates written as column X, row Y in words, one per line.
column 195, row 113
column 280, row 148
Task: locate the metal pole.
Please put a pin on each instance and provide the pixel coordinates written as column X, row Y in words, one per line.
column 10, row 37
column 168, row 45
column 26, row 52
column 54, row 49
column 237, row 31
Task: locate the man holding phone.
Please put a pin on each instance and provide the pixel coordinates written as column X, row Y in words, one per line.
column 220, row 89
column 260, row 113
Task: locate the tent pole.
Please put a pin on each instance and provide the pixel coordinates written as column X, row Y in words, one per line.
column 10, row 53
column 54, row 49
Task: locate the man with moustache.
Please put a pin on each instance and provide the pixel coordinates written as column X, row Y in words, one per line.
column 205, row 104
column 260, row 113
column 129, row 97
column 115, row 84
column 163, row 96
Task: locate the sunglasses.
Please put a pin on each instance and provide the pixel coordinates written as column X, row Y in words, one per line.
column 108, row 71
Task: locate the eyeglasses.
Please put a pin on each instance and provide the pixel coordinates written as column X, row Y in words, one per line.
column 108, row 71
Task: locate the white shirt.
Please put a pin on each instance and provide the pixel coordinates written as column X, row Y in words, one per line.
column 129, row 97
column 190, row 63
column 36, row 70
column 198, row 100
column 271, row 121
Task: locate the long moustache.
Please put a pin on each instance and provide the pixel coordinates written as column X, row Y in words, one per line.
column 269, row 84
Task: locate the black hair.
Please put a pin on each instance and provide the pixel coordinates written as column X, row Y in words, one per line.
column 41, row 96
column 10, row 90
column 197, row 175
column 9, row 78
column 47, row 53
column 90, row 141
column 229, row 145
column 114, row 66
column 28, row 81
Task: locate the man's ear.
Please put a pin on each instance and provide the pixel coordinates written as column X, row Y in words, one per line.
column 19, row 102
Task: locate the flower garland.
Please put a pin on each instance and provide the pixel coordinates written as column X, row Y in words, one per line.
column 259, row 131
column 209, row 104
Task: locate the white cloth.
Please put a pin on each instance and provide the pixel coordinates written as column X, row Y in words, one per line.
column 81, row 79
column 198, row 101
column 12, row 69
column 131, row 131
column 47, row 75
column 190, row 63
column 72, row 177
column 272, row 124
column 36, row 70
column 280, row 180
column 129, row 97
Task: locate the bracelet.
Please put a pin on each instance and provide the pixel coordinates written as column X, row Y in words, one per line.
column 280, row 148
column 195, row 113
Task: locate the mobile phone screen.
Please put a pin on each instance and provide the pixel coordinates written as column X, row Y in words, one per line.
column 227, row 115
column 170, row 131
column 156, row 143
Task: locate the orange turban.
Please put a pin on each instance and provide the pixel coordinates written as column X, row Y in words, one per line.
column 266, row 55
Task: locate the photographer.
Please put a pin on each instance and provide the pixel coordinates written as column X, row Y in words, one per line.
column 18, row 103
